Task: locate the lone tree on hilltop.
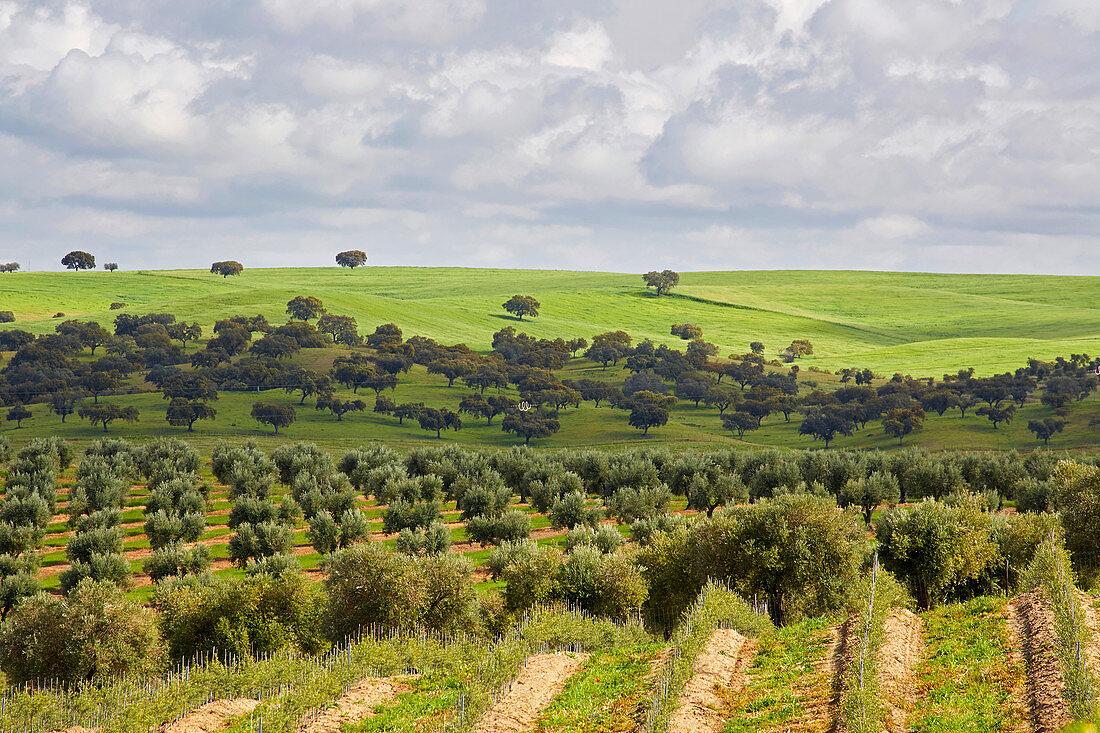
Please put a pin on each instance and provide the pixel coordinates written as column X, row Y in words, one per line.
column 277, row 416
column 9, row 267
column 110, row 266
column 522, row 305
column 663, row 281
column 352, row 258
column 227, row 268
column 797, row 349
column 77, row 260
column 304, row 307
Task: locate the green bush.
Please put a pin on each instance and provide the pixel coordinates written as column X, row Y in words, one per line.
column 937, row 550
column 402, row 514
column 368, row 585
column 434, row 540
column 260, row 614
column 492, row 530
column 174, row 559
column 93, row 634
column 570, row 510
column 605, row 539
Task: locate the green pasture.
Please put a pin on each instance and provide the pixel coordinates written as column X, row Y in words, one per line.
column 917, row 323
column 922, row 324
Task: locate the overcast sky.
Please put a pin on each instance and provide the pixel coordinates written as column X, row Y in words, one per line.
column 947, row 135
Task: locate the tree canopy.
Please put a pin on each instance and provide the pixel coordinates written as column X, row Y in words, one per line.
column 351, row 258
column 662, row 281
column 78, row 260
column 522, row 305
column 227, row 268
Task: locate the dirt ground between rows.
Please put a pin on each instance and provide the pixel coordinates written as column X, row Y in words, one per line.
column 540, row 681
column 720, row 668
column 355, row 704
column 213, row 716
column 1032, row 620
column 898, row 660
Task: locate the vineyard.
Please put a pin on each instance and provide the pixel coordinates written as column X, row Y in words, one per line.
column 992, row 664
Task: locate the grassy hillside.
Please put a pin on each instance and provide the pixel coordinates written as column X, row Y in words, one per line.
column 913, row 323
column 922, row 324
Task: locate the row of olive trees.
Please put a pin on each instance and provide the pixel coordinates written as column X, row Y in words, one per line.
column 28, row 505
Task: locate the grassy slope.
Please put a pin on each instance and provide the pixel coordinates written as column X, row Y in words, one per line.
column 924, row 324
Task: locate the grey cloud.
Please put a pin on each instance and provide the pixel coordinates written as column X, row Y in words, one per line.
column 618, row 134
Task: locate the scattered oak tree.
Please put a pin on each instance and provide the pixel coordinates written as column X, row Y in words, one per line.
column 649, row 410
column 339, row 407
column 227, row 268
column 902, row 422
column 662, row 281
column 18, row 414
column 304, row 307
column 78, row 260
column 182, row 411
column 106, row 414
column 438, row 420
column 277, row 416
column 522, row 305
column 351, row 258
column 110, row 266
column 1046, row 428
column 530, row 424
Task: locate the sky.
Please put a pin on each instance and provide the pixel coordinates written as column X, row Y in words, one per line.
column 619, row 135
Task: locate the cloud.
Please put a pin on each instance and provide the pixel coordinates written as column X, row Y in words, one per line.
column 621, row 135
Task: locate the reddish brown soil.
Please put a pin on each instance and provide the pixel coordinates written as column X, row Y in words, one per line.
column 719, row 669
column 540, row 681
column 1033, row 620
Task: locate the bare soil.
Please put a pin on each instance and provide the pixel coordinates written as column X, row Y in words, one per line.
column 720, row 668
column 213, row 716
column 355, row 704
column 540, row 681
column 898, row 659
column 1033, row 620
column 1092, row 621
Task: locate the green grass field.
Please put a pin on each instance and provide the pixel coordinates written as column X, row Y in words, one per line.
column 921, row 324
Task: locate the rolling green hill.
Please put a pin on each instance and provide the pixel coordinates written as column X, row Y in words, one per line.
column 922, row 324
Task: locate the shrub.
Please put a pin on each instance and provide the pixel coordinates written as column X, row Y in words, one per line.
column 529, row 577
column 7, row 317
column 435, row 540
column 117, row 305
column 258, row 614
column 492, row 530
column 369, row 585
column 570, row 510
column 174, row 559
column 607, row 585
column 94, row 634
column 797, row 551
column 402, row 514
column 937, row 550
column 257, row 541
column 605, row 539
